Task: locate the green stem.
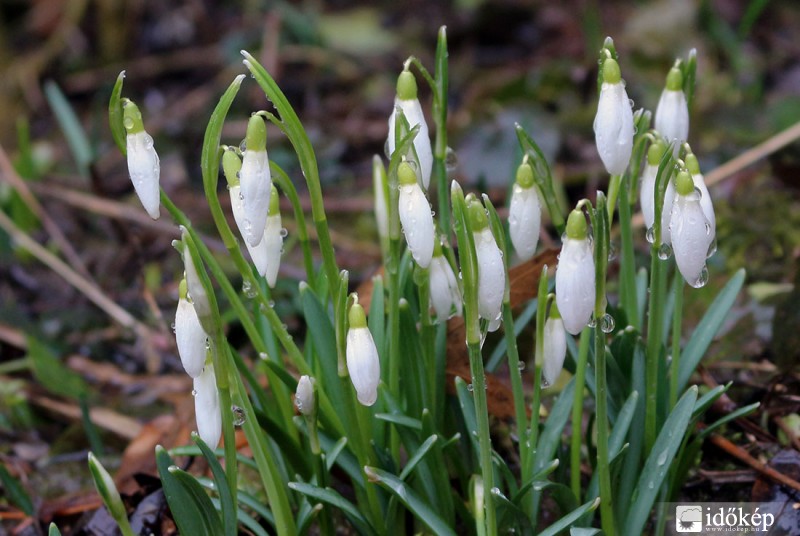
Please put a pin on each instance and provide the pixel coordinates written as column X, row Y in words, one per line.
column 394, row 335
column 15, row 365
column 515, row 373
column 223, row 372
column 677, row 314
column 655, row 323
column 627, row 284
column 532, row 439
column 577, row 413
column 428, row 336
column 613, row 192
column 286, row 185
column 440, row 147
column 484, row 438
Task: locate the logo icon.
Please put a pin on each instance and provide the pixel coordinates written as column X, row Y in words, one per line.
column 688, row 518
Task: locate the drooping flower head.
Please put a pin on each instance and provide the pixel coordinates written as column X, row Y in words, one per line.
column 256, row 180
column 271, row 247
column 304, row 398
column 575, row 283
column 196, row 291
column 206, row 407
column 691, row 231
column 445, row 294
column 672, row 113
column 363, row 363
column 647, row 194
column 613, row 124
column 189, row 334
column 693, row 166
column 555, row 346
column 491, row 270
column 143, row 163
column 524, row 213
column 415, row 215
column 408, row 102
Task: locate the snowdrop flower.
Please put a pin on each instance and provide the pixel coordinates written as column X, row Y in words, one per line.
column 379, row 189
column 256, row 180
column 363, row 363
column 445, row 294
column 555, row 346
column 304, row 398
column 407, row 101
column 189, row 334
column 691, row 232
column 613, row 124
column 206, row 407
column 693, row 166
column 196, row 292
column 647, row 195
column 525, row 213
column 415, row 215
column 491, row 270
column 672, row 113
column 575, row 284
column 143, row 163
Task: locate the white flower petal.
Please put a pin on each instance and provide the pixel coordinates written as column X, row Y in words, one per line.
column 191, row 338
column 417, row 221
column 613, row 128
column 363, row 364
column 666, row 213
column 422, row 142
column 206, row 407
column 145, row 170
column 491, row 277
column 672, row 117
column 273, row 246
column 445, row 296
column 524, row 221
column 304, row 396
column 705, row 202
column 555, row 349
column 691, row 237
column 575, row 285
column 647, row 194
column 256, row 183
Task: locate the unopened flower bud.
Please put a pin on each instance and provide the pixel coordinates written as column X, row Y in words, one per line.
column 555, row 346
column 143, row 162
column 491, row 270
column 363, row 363
column 415, row 216
column 575, row 284
column 189, row 334
column 691, row 231
column 304, row 398
column 613, row 124
column 408, row 102
column 445, row 294
column 524, row 214
column 672, row 113
column 206, row 407
column 256, row 180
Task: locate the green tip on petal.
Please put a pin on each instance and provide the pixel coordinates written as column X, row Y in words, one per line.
column 231, row 165
column 675, row 79
column 437, row 248
column 525, row 176
column 131, row 117
column 684, row 184
column 274, row 202
column 692, row 164
column 183, row 289
column 406, row 174
column 477, row 215
column 406, row 86
column 611, row 72
column 576, row 225
column 357, row 317
column 256, row 138
column 654, row 153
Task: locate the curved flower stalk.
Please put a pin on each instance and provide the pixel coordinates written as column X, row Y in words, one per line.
column 189, row 334
column 575, row 277
column 379, row 185
column 256, row 180
column 415, row 216
column 206, row 407
column 693, row 166
column 613, row 124
column 445, row 294
column 647, row 194
column 408, row 102
column 363, row 363
column 524, row 213
column 555, row 346
column 691, row 232
column 491, row 270
column 672, row 113
column 143, row 163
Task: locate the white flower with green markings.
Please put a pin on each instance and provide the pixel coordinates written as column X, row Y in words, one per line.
column 363, row 363
column 575, row 283
column 256, row 180
column 445, row 294
column 189, row 334
column 491, row 270
column 524, row 214
column 206, row 407
column 647, row 194
column 691, row 231
column 613, row 124
column 672, row 113
column 143, row 163
column 415, row 216
column 408, row 102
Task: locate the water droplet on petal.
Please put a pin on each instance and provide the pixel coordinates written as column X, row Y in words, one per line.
column 702, row 279
column 284, row 232
column 386, row 151
column 128, row 123
column 708, row 229
column 194, row 392
column 712, row 248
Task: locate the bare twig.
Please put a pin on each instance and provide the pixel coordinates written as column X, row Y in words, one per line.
column 742, row 455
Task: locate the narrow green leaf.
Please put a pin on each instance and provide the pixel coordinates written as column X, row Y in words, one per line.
column 401, row 420
column 417, row 457
column 334, row 498
column 468, row 410
column 550, row 438
column 108, row 492
column 658, row 462
column 197, row 495
column 53, row 530
column 71, row 127
column 210, row 155
column 115, row 115
column 224, row 492
column 506, row 507
column 15, row 492
column 705, row 401
column 246, row 520
column 52, row 373
column 708, row 328
column 741, row 412
column 188, row 512
column 570, row 518
column 410, row 499
column 334, row 451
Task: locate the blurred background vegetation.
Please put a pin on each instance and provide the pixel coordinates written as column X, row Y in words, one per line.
column 530, row 62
